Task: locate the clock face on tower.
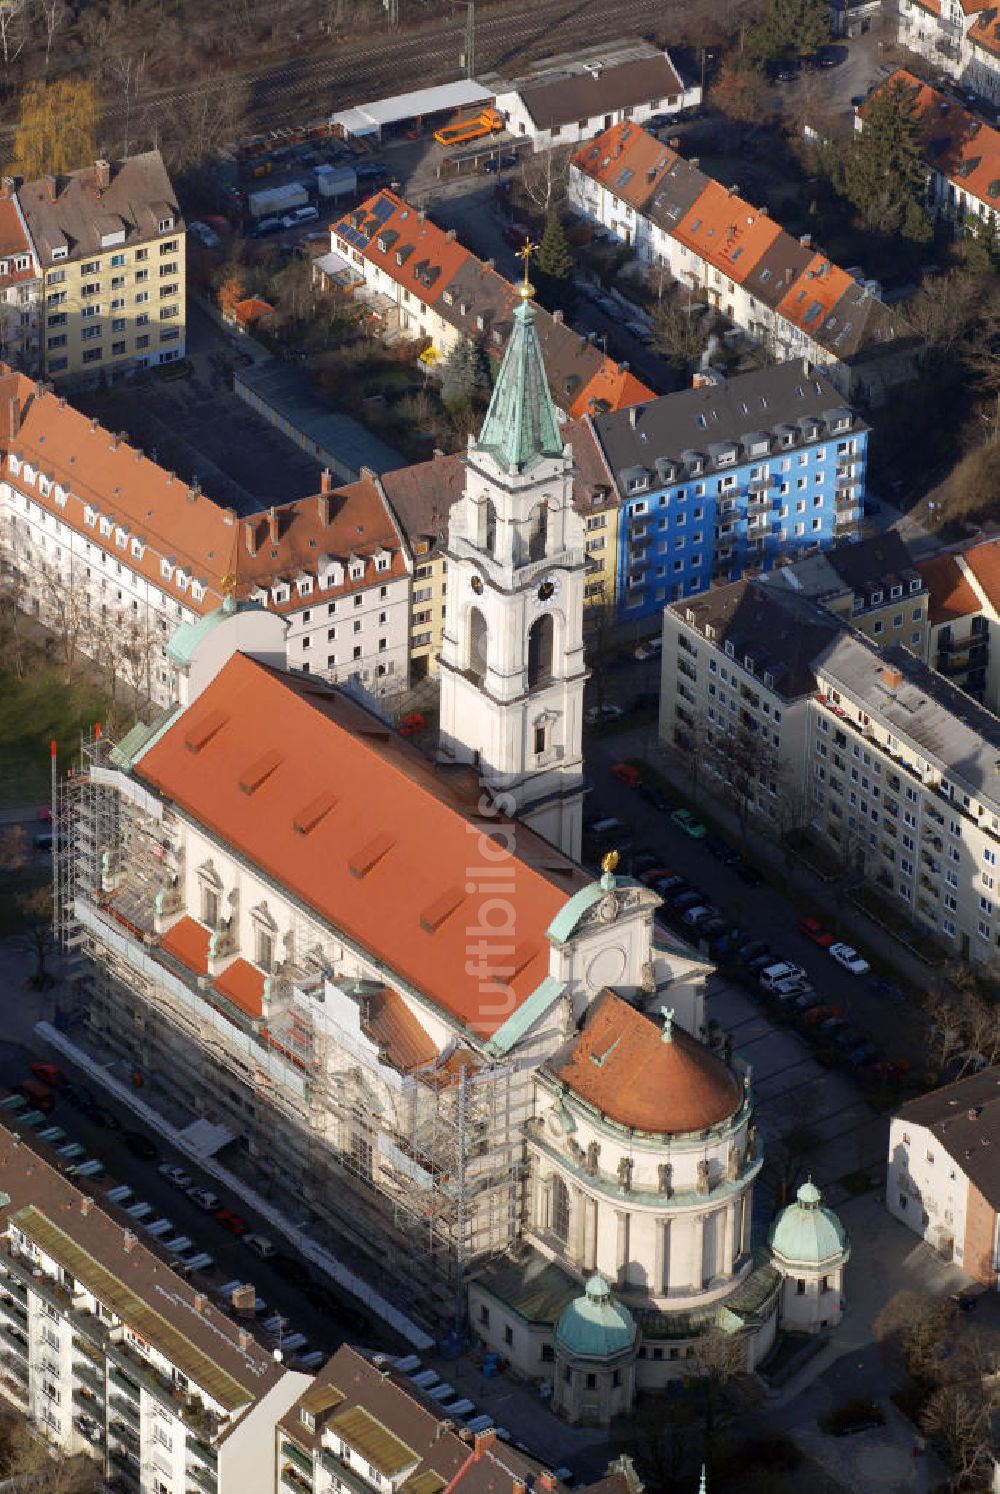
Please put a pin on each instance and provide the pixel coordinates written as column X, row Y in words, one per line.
column 547, row 589
column 477, row 585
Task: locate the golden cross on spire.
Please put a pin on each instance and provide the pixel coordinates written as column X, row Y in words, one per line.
column 526, row 290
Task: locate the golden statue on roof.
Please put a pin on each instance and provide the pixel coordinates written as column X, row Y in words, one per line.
column 610, row 862
column 526, row 290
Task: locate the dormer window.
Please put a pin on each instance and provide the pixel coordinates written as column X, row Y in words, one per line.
column 183, row 580
column 60, row 252
column 876, row 598
column 90, row 516
column 915, row 584
column 121, row 537
column 896, row 591
column 304, row 586
column 44, row 485
column 60, row 494
column 165, row 225
column 730, row 651
column 138, row 549
column 198, row 591
column 356, row 570
column 14, row 463
column 280, row 593
column 29, row 473
column 106, row 527
column 166, row 568
column 383, row 560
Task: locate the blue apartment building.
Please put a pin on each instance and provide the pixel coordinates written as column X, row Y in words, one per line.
column 727, row 479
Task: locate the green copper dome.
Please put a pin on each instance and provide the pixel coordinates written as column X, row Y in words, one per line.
column 594, row 1326
column 185, row 639
column 521, row 424
column 805, row 1234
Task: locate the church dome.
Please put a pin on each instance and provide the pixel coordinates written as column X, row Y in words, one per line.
column 805, row 1234
column 595, row 1326
column 649, row 1078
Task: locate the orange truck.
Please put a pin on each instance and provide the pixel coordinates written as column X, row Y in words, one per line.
column 486, row 122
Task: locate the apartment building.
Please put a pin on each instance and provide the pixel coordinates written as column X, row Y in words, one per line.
column 730, row 476
column 961, row 153
column 573, row 98
column 20, row 286
column 424, row 284
column 958, row 644
column 941, row 1180
column 110, row 240
column 959, row 37
column 113, row 552
column 873, row 584
column 782, row 292
column 113, row 1355
column 743, row 656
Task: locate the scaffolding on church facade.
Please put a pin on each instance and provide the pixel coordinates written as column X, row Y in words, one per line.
column 423, row 1169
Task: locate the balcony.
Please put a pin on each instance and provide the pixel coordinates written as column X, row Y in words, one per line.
column 298, row 1457
column 125, row 1382
column 292, row 1479
column 17, row 1342
column 207, row 1479
column 89, row 1374
column 12, row 1365
column 202, row 1450
column 15, row 1288
column 13, row 1312
column 126, row 1409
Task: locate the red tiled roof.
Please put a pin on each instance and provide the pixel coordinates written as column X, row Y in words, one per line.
column 629, row 161
column 726, row 231
column 354, row 822
column 243, row 985
column 620, row 1064
column 814, row 295
column 251, row 310
column 188, row 942
column 614, row 386
column 434, row 256
column 14, row 241
column 984, row 563
column 950, row 595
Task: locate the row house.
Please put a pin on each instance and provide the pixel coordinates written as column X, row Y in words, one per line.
column 784, row 294
column 573, row 101
column 112, row 553
column 114, row 1356
column 961, row 154
column 885, row 762
column 958, row 37
column 110, row 241
column 20, row 285
column 964, row 595
column 728, row 477
column 940, row 1178
column 428, row 286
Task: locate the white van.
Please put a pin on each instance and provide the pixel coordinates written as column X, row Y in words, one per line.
column 772, row 975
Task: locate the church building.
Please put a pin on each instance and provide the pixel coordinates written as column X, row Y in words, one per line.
column 391, row 983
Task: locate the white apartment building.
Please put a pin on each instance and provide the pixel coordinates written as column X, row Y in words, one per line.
column 958, row 37
column 113, row 553
column 112, row 1355
column 941, row 1178
column 886, row 762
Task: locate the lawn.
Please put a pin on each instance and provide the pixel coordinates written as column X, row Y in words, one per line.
column 33, row 711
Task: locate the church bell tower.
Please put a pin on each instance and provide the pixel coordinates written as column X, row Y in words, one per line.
column 512, row 660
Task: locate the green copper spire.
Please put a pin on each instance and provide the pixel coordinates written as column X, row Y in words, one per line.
column 521, row 423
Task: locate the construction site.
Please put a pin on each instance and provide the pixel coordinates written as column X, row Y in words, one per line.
column 320, row 1080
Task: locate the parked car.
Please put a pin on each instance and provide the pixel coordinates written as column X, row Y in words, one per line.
column 205, row 1199
column 516, row 236
column 722, row 850
column 686, row 821
column 411, row 724
column 863, row 1056
column 603, row 832
column 639, row 331
column 300, row 215
column 771, row 976
column 266, row 227
column 501, row 163
column 101, row 1116
column 846, row 955
column 699, row 913
column 674, row 883
column 48, row 1073
column 175, row 1175
column 644, row 862
column 751, row 949
column 888, row 989
column 750, row 875
column 291, row 1269
column 37, row 1094
column 787, row 990
column 653, row 798
column 814, row 931
column 625, row 773
column 605, row 712
column 822, row 1014
column 260, row 1245
column 233, row 1222
column 691, row 898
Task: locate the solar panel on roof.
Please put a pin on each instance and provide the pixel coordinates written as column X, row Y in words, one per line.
column 383, row 210
column 625, row 177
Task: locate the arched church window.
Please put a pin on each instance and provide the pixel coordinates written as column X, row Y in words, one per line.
column 491, row 527
column 540, row 638
column 560, row 1210
column 478, row 644
column 538, row 531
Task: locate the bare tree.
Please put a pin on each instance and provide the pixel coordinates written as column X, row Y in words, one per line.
column 129, row 74
column 545, row 178
column 600, row 642
column 27, row 1459
column 13, row 848
column 958, row 1420
column 55, row 14
column 918, row 1328
column 14, row 30
column 745, row 766
column 35, row 935
column 679, row 332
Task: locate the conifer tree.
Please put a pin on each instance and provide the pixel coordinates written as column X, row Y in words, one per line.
column 884, row 173
column 552, row 267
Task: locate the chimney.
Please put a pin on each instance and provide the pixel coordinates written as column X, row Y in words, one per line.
column 246, row 1339
column 805, row 239
column 102, row 175
column 6, row 186
column 200, row 1302
column 483, row 1441
column 128, row 1242
column 273, row 528
column 53, row 188
column 695, row 161
column 326, row 481
column 557, row 317
column 86, row 1204
column 323, row 508
column 250, row 535
column 94, row 423
column 518, row 1486
column 633, row 416
column 807, row 367
column 449, row 237
column 546, row 1480
column 490, row 264
column 15, row 414
column 891, row 678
